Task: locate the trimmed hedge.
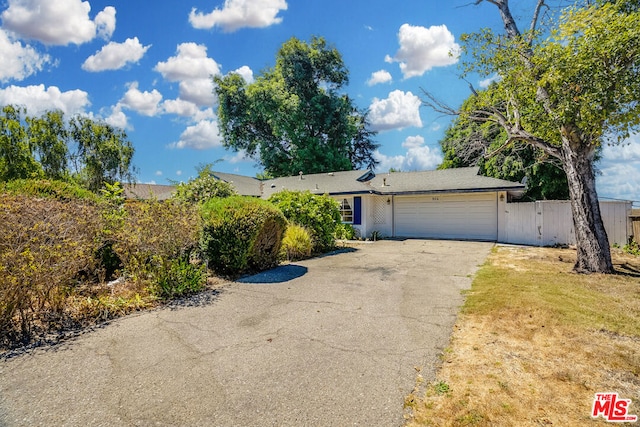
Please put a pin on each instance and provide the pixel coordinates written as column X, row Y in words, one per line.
column 318, row 213
column 241, row 234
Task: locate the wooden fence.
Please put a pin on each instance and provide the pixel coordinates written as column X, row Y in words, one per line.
column 548, row 223
column 635, row 224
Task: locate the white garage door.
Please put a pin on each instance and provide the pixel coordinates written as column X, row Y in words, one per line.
column 472, row 216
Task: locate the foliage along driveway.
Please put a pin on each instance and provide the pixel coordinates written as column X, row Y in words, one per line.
column 334, row 340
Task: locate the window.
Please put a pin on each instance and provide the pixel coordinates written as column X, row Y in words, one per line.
column 346, row 211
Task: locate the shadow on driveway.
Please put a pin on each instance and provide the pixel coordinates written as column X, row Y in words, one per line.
column 281, row 274
column 285, row 273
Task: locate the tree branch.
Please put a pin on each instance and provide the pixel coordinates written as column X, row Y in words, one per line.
column 514, row 132
column 437, row 105
column 534, row 20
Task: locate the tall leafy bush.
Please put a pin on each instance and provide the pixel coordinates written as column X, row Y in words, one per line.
column 241, row 234
column 318, row 213
column 203, row 188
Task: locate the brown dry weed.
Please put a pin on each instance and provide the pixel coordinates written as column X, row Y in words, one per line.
column 534, row 342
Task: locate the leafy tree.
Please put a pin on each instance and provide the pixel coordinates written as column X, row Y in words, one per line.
column 83, row 150
column 293, row 117
column 103, row 153
column 484, row 144
column 565, row 93
column 48, row 138
column 16, row 159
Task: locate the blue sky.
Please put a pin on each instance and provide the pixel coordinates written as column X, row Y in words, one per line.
column 145, row 66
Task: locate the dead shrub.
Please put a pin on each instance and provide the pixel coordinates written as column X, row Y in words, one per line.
column 46, row 244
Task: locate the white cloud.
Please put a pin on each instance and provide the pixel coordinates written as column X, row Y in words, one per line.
column 385, row 163
column 398, row 111
column 620, row 167
column 106, row 22
column 413, row 141
column 193, row 69
column 246, row 73
column 190, row 62
column 118, row 118
column 187, row 109
column 179, row 173
column 18, row 61
column 180, row 107
column 38, row 100
column 198, row 91
column 158, row 173
column 59, row 22
column 237, row 14
column 419, row 157
column 491, row 79
column 114, row 56
column 382, row 76
column 200, row 136
column 422, row 49
column 145, row 103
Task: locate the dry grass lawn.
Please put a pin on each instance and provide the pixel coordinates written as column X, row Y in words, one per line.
column 534, row 342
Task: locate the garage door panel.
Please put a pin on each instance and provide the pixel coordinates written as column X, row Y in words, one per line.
column 471, row 216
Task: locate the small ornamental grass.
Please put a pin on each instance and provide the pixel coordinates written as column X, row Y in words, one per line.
column 296, row 243
column 241, row 234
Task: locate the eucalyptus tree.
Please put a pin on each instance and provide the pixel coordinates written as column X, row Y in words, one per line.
column 87, row 151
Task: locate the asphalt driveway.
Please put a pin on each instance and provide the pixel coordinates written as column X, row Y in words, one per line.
column 332, row 341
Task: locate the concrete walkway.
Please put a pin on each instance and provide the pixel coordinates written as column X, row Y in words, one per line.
column 332, row 341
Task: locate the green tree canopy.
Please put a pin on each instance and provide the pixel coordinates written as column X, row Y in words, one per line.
column 81, row 149
column 293, row 117
column 484, row 144
column 565, row 92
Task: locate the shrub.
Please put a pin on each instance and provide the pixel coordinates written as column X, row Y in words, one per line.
column 153, row 235
column 345, row 232
column 296, row 243
column 632, row 248
column 320, row 214
column 49, row 189
column 201, row 189
column 45, row 246
column 241, row 234
column 177, row 277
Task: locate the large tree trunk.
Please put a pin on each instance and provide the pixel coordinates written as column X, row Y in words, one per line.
column 594, row 255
